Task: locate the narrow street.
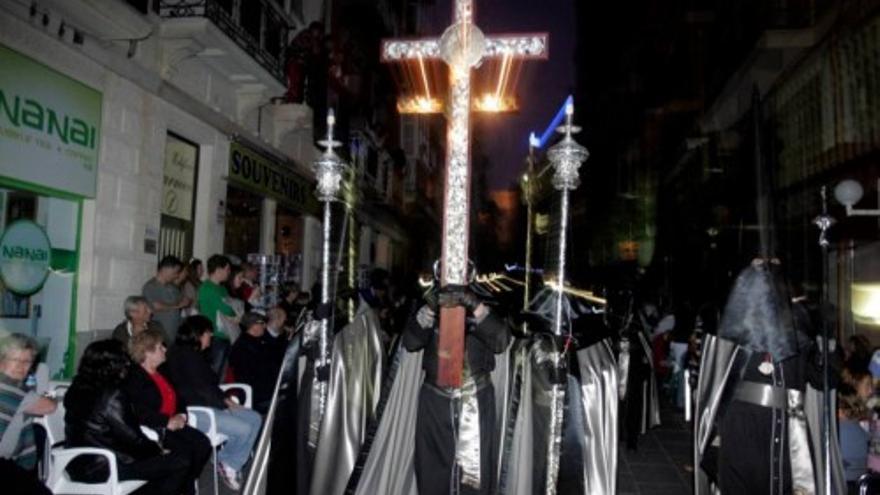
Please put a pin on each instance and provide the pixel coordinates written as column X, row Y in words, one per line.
column 659, row 465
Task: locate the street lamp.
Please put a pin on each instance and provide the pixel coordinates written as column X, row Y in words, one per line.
column 849, row 192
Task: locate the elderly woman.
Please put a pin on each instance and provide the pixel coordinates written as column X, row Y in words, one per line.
column 197, row 385
column 137, row 318
column 157, row 405
column 99, row 414
column 18, row 406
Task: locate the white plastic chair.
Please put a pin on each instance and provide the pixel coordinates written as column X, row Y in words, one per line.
column 245, row 388
column 216, row 438
column 57, row 458
column 60, row 482
column 53, row 425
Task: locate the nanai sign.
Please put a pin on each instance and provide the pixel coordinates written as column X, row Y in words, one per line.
column 25, row 257
column 49, row 126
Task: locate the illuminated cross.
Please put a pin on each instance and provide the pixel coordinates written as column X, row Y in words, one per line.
column 463, row 47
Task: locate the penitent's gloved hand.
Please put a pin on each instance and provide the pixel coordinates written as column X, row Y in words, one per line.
column 450, row 296
column 426, row 317
column 470, row 300
column 458, row 295
column 431, row 299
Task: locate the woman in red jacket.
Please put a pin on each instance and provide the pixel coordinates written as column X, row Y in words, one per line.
column 156, row 404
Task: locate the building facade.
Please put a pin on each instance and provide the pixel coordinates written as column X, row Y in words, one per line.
column 180, row 109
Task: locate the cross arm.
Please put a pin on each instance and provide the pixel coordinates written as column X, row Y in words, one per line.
column 402, row 49
column 523, row 46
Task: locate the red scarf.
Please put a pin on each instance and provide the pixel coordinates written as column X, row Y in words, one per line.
column 169, row 398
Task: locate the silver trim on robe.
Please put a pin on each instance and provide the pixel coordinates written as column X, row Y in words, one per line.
column 522, row 472
column 356, row 369
column 813, row 402
column 802, row 476
column 515, row 479
column 390, row 464
column 623, row 365
column 505, row 363
column 651, row 402
column 598, row 382
column 467, row 445
column 716, row 366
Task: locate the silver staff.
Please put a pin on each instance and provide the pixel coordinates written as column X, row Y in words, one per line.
column 528, row 184
column 566, row 157
column 328, row 170
column 824, row 222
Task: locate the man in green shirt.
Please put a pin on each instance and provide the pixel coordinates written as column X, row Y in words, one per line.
column 212, row 304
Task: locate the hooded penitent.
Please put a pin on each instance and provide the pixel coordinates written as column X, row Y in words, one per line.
column 757, row 395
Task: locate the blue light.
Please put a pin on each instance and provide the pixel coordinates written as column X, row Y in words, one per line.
column 553, row 123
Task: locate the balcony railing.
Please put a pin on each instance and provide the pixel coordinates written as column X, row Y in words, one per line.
column 255, row 25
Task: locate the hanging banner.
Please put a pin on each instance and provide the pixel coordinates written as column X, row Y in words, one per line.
column 49, row 126
column 264, row 176
column 178, row 184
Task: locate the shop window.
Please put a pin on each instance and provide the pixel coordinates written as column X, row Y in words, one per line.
column 243, row 214
column 17, row 205
column 38, row 299
column 289, row 230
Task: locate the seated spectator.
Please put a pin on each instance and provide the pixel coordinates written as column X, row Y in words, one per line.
column 874, row 406
column 99, row 414
column 852, row 411
column 157, row 406
column 137, row 319
column 18, row 406
column 255, row 360
column 197, row 385
column 277, row 331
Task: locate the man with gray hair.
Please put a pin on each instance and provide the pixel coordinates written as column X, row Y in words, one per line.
column 137, row 318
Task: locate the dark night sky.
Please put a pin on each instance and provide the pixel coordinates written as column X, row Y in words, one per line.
column 543, row 85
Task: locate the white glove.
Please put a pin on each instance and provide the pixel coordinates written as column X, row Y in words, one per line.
column 311, row 331
column 425, row 317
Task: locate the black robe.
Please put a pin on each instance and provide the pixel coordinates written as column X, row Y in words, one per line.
column 440, row 411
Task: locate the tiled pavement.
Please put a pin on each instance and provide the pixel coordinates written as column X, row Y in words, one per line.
column 661, row 464
column 656, row 468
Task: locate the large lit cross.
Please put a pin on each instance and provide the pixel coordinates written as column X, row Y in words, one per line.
column 463, row 47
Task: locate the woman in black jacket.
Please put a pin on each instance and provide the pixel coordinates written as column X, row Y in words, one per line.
column 99, row 414
column 157, row 405
column 197, row 385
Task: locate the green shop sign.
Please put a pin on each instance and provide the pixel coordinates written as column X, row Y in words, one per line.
column 25, row 257
column 264, row 176
column 49, row 126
